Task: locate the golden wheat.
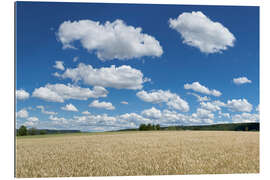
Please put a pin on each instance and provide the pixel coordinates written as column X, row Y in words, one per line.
column 138, row 153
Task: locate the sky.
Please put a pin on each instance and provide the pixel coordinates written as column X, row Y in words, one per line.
column 100, row 67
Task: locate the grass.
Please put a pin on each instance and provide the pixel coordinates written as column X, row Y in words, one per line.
column 137, row 153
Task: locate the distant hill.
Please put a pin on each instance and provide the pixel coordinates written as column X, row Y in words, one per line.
column 213, row 127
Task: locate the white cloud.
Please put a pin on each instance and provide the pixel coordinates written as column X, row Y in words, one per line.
column 240, row 105
column 227, row 115
column 169, row 117
column 210, row 106
column 103, row 122
column 245, row 117
column 174, row 118
column 62, row 92
column 197, row 30
column 200, row 98
column 196, row 86
column 258, row 108
column 59, row 119
column 22, row 94
column 124, row 102
column 86, row 112
column 114, row 40
column 56, row 74
column 219, row 103
column 69, row 107
column 203, row 115
column 59, row 65
column 132, row 118
column 152, row 113
column 164, row 118
column 42, row 108
column 159, row 96
column 34, row 119
column 122, row 77
column 241, row 80
column 31, row 121
column 97, row 120
column 103, row 105
column 23, row 113
column 75, row 59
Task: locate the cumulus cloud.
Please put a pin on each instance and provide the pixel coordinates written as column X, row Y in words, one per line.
column 42, row 108
column 86, row 112
column 34, row 119
column 31, row 121
column 69, row 107
column 102, row 105
column 258, row 108
column 122, row 77
column 62, row 92
column 219, row 103
column 210, row 106
column 97, row 120
column 197, row 30
column 203, row 115
column 124, row 102
column 245, row 117
column 197, row 87
column 241, row 80
column 221, row 114
column 131, row 120
column 159, row 96
column 75, row 59
column 59, row 65
column 170, row 117
column 152, row 113
column 103, row 122
column 240, row 105
column 200, row 98
column 153, row 116
column 112, row 40
column 22, row 94
column 23, row 113
column 56, row 74
column 59, row 119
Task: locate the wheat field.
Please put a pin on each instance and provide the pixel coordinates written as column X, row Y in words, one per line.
column 137, row 153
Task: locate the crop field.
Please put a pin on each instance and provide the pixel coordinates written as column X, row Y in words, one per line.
column 137, row 153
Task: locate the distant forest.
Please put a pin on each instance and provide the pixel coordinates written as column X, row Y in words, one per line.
column 213, row 127
column 23, row 131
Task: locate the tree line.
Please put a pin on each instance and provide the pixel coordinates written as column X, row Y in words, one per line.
column 149, row 127
column 23, row 131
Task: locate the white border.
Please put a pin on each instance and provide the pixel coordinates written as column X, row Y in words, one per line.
column 7, row 87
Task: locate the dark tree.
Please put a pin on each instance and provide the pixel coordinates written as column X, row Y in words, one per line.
column 42, row 132
column 157, row 127
column 22, row 131
column 149, row 127
column 32, row 131
column 142, row 127
column 171, row 128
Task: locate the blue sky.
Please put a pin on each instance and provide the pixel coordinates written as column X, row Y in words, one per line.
column 185, row 65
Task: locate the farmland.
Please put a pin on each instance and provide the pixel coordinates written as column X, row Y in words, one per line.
column 137, row 153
